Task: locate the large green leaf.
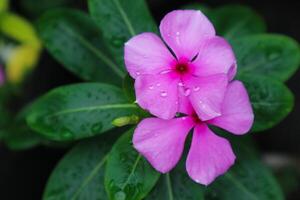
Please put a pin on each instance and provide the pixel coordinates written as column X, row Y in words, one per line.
column 74, row 40
column 248, row 179
column 128, row 176
column 235, row 21
column 272, row 101
column 177, row 185
column 120, row 20
column 276, row 56
column 79, row 111
column 80, row 174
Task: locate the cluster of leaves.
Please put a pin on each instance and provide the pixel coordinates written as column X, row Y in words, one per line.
column 104, row 165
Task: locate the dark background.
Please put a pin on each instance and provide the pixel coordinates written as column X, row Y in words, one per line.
column 23, row 175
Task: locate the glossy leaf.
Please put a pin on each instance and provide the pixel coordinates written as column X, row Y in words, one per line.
column 177, row 185
column 248, row 179
column 275, row 56
column 80, row 174
column 120, row 20
column 128, row 176
column 78, row 111
column 272, row 101
column 74, row 40
column 236, row 21
column 128, row 88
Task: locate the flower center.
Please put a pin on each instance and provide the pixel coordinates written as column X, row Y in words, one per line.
column 182, row 68
column 196, row 119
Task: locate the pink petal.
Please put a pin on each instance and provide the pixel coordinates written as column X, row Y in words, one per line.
column 207, row 94
column 146, row 54
column 184, row 31
column 185, row 105
column 237, row 115
column 158, row 94
column 209, row 157
column 162, row 141
column 215, row 56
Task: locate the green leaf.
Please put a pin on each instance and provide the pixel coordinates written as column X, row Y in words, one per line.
column 36, row 9
column 78, row 111
column 74, row 40
column 128, row 176
column 248, row 179
column 80, row 174
column 272, row 101
column 235, row 21
column 120, row 20
column 128, row 87
column 177, row 185
column 271, row 55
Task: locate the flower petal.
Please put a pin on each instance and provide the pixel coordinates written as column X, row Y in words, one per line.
column 215, row 56
column 209, row 157
column 237, row 115
column 207, row 94
column 158, row 94
column 184, row 31
column 162, row 141
column 146, row 54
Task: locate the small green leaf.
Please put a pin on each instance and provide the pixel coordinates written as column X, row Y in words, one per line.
column 128, row 176
column 235, row 21
column 74, row 40
column 80, row 174
column 79, row 111
column 275, row 56
column 248, row 179
column 272, row 101
column 120, row 20
column 177, row 185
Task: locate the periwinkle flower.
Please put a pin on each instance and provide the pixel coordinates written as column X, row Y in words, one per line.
column 162, row 141
column 194, row 69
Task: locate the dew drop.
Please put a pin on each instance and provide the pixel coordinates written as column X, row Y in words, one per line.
column 137, row 73
column 163, row 94
column 180, row 84
column 196, row 89
column 165, row 71
column 187, row 92
column 120, row 195
column 177, row 33
column 158, row 84
column 96, row 128
column 151, row 87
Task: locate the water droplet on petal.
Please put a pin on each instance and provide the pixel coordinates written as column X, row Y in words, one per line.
column 163, row 94
column 165, row 71
column 187, row 92
column 158, row 84
column 196, row 89
column 180, row 84
column 151, row 87
column 137, row 73
column 177, row 33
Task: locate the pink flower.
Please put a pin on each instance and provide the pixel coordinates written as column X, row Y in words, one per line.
column 196, row 70
column 162, row 141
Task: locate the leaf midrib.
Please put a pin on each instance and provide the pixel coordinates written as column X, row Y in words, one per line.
column 94, row 50
column 91, row 108
column 89, row 177
column 132, row 171
column 240, row 186
column 124, row 17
